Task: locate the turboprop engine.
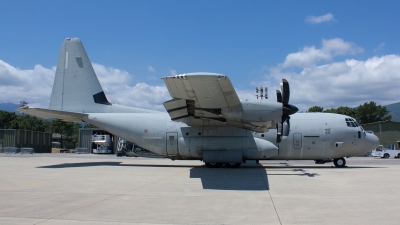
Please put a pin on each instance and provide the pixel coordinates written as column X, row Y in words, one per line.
column 260, row 116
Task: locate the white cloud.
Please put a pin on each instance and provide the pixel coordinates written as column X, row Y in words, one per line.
column 320, row 19
column 35, row 86
column 141, row 95
column 346, row 83
column 116, row 85
column 380, row 47
column 173, row 72
column 151, row 69
column 309, row 56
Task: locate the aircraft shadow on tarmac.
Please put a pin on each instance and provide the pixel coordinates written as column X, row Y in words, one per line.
column 249, row 177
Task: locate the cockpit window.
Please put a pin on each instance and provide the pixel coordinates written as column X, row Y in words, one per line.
column 352, row 123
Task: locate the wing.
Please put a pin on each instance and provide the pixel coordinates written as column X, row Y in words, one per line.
column 200, row 95
column 208, row 90
column 209, row 99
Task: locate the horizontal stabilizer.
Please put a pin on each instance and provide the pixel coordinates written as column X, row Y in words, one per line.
column 50, row 114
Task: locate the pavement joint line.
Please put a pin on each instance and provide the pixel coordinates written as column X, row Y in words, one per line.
column 108, row 221
column 110, row 197
column 269, row 192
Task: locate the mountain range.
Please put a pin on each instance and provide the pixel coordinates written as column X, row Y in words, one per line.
column 393, row 108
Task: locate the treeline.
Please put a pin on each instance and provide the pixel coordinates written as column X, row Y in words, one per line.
column 367, row 113
column 10, row 120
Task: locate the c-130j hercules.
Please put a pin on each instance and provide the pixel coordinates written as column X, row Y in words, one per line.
column 205, row 119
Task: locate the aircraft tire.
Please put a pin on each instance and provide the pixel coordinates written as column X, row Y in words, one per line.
column 339, row 163
column 232, row 165
column 386, row 156
column 213, row 165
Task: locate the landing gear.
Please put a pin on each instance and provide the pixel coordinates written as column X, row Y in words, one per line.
column 216, row 165
column 213, row 165
column 322, row 161
column 232, row 165
column 340, row 162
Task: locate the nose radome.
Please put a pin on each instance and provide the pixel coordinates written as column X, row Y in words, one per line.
column 373, row 141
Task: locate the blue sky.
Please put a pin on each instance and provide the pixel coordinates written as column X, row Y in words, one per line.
column 333, row 53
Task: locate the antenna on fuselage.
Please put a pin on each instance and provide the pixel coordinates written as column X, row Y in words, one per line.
column 23, row 104
column 262, row 91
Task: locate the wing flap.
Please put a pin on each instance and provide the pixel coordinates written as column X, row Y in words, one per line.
column 177, row 108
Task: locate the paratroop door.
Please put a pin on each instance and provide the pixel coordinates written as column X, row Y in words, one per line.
column 297, row 140
column 172, row 143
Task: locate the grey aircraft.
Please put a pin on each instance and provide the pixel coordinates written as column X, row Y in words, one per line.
column 205, row 119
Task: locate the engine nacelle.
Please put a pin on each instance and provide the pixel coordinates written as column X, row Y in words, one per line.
column 261, row 115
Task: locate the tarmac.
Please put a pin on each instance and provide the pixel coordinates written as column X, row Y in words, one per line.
column 105, row 189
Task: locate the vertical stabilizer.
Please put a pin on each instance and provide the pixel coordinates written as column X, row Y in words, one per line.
column 76, row 87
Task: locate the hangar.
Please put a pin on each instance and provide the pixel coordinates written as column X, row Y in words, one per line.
column 39, row 141
column 388, row 133
column 94, row 140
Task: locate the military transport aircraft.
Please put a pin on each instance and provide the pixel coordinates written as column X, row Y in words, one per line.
column 205, row 119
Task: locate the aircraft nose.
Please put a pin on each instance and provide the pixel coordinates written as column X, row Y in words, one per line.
column 372, row 141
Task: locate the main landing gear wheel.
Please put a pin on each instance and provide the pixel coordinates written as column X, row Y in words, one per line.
column 213, row 165
column 232, row 165
column 340, row 162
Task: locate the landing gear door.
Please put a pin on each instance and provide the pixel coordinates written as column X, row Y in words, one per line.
column 297, row 139
column 172, row 143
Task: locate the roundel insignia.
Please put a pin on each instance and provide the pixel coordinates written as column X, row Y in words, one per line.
column 145, row 131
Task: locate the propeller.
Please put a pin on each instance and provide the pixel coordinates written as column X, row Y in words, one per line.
column 287, row 109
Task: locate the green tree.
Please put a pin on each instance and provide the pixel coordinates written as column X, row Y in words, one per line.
column 344, row 110
column 63, row 128
column 88, row 125
column 370, row 112
column 75, row 134
column 6, row 119
column 316, row 109
column 23, row 122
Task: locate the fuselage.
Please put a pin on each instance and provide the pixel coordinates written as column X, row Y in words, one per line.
column 315, row 136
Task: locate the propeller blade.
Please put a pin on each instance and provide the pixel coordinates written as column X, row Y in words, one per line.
column 279, row 129
column 285, row 91
column 289, row 109
column 278, row 96
column 286, row 127
column 278, row 133
column 283, row 128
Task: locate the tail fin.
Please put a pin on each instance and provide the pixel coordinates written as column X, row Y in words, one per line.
column 76, row 87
